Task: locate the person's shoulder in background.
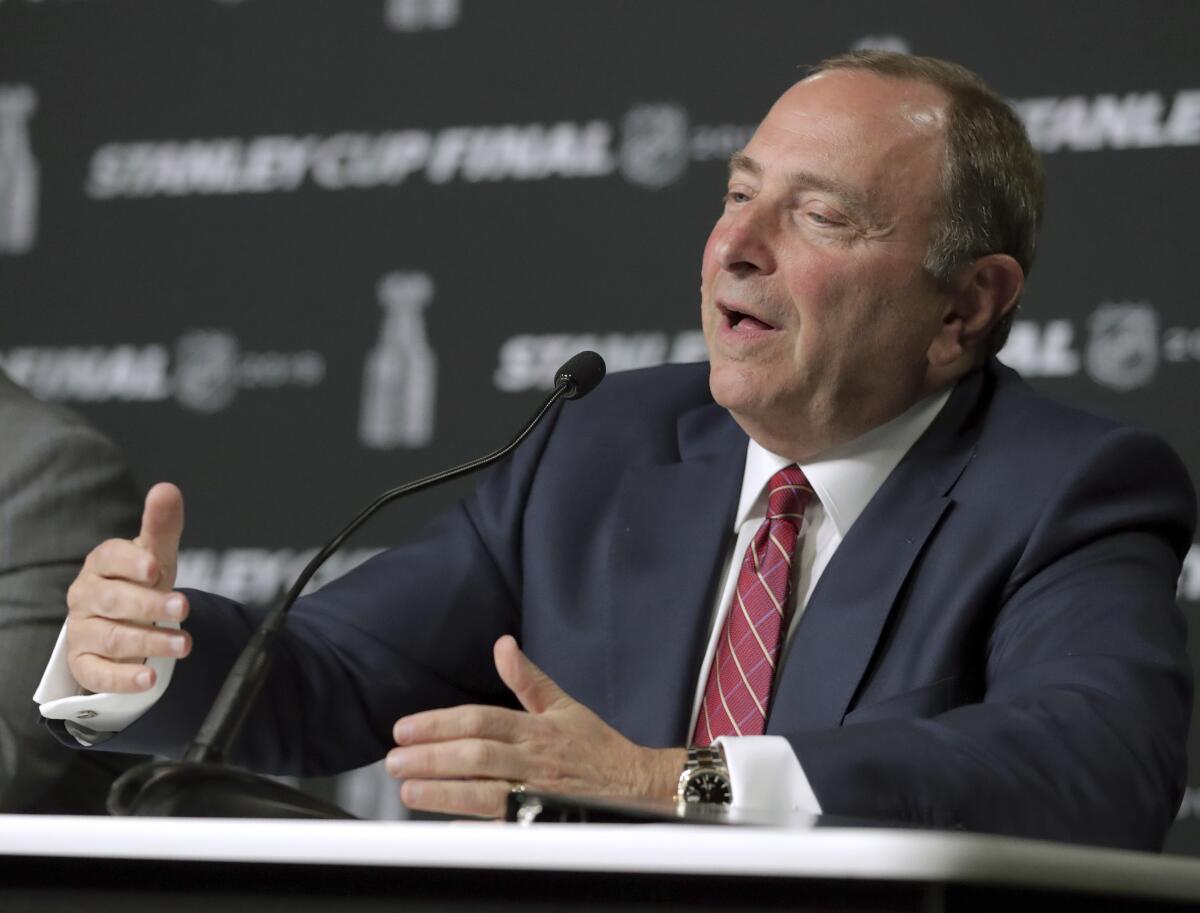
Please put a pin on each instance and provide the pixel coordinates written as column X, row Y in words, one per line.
column 64, row 488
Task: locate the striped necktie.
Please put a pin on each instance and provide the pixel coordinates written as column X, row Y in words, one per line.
column 738, row 693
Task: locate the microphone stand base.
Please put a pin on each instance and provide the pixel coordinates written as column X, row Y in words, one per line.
column 188, row 789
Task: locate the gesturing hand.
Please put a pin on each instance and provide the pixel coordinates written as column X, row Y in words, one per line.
column 464, row 760
column 122, row 589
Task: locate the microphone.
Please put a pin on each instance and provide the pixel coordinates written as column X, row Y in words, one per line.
column 200, row 785
column 581, row 373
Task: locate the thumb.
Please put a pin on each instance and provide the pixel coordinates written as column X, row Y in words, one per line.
column 536, row 691
column 162, row 526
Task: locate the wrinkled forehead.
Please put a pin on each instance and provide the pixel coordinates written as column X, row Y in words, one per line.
column 885, row 135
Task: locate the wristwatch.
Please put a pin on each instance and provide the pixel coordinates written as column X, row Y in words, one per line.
column 705, row 778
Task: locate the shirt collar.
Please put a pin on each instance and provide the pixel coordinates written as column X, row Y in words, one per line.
column 846, row 477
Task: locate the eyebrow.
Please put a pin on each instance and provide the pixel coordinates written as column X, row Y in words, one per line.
column 807, row 180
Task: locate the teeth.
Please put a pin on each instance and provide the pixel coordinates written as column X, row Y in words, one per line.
column 750, row 322
column 736, row 318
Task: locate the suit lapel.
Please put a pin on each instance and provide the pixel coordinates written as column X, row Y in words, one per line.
column 673, row 523
column 836, row 638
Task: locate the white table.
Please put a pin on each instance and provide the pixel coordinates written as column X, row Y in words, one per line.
column 124, row 854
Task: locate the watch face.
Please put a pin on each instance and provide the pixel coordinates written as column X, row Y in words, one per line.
column 708, row 787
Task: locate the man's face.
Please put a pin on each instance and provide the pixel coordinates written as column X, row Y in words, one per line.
column 816, row 308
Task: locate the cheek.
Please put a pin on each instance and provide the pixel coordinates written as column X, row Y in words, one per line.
column 820, row 290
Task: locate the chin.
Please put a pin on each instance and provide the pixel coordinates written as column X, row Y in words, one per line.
column 732, row 388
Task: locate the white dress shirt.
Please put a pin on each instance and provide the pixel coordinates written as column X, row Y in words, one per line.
column 764, row 770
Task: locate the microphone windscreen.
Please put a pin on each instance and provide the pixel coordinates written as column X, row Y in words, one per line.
column 582, row 372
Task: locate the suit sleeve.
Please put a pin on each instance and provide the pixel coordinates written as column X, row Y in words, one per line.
column 1081, row 731
column 411, row 629
column 63, row 489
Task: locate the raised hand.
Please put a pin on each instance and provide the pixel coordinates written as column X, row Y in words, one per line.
column 123, row 588
column 464, row 760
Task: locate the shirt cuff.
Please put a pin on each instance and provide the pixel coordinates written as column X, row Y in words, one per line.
column 765, row 773
column 60, row 697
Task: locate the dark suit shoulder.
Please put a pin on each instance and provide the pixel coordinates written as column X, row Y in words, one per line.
column 1045, row 453
column 1018, row 402
column 638, row 411
column 1023, row 424
column 665, row 387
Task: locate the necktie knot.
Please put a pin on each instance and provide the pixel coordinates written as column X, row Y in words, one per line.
column 788, row 494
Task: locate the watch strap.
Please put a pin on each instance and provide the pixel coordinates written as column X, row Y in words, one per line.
column 706, row 756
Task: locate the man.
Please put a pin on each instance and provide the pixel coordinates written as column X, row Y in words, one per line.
column 62, row 487
column 935, row 597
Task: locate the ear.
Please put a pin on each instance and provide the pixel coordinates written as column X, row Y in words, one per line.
column 980, row 294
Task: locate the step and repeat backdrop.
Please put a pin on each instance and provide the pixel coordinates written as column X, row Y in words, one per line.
column 289, row 253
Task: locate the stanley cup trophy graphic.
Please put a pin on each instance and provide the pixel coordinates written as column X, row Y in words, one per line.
column 18, row 171
column 400, row 374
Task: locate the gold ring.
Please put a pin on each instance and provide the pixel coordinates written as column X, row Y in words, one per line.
column 515, row 789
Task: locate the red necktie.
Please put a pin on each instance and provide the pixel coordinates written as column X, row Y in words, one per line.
column 738, row 693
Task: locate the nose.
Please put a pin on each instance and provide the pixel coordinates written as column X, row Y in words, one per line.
column 743, row 240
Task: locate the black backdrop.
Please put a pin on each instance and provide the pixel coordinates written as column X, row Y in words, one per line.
column 290, row 253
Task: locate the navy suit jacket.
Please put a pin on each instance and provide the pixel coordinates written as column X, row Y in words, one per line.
column 994, row 646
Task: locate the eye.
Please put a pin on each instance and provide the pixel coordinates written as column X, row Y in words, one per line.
column 824, row 220
column 736, row 196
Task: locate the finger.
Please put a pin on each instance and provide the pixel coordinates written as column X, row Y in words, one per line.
column 102, row 675
column 460, row 759
column 466, row 722
column 162, row 527
column 479, row 798
column 536, row 691
column 117, row 599
column 122, row 559
column 125, row 640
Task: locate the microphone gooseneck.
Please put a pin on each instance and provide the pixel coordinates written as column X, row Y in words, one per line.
column 200, row 770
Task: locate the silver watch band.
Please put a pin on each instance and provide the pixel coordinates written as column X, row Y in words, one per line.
column 705, row 756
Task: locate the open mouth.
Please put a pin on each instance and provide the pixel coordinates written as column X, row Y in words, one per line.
column 740, row 321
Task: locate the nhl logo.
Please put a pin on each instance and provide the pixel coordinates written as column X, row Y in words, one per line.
column 1122, row 350
column 206, row 370
column 654, row 145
